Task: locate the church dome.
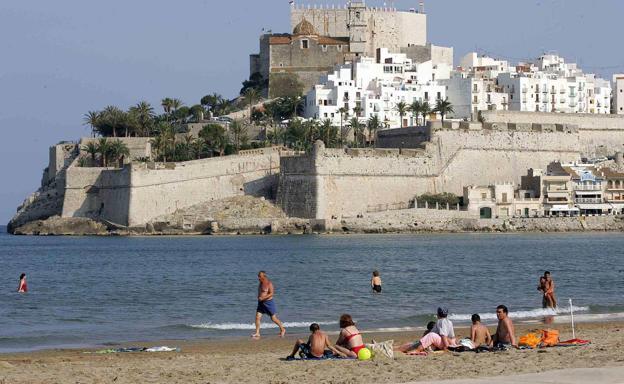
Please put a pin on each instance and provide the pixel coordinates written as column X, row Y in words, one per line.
column 304, row 28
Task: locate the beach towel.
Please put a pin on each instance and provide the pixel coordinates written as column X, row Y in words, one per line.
column 573, row 343
column 550, row 338
column 530, row 340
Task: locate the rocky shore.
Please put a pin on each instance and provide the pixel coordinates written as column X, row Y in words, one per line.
column 404, row 222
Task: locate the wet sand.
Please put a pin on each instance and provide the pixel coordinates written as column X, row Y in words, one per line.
column 249, row 361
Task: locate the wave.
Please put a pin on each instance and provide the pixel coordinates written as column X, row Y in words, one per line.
column 247, row 326
column 528, row 314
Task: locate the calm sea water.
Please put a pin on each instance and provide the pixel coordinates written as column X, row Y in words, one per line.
column 95, row 291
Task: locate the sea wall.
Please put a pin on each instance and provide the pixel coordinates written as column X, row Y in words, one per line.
column 139, row 192
column 157, row 190
column 332, row 183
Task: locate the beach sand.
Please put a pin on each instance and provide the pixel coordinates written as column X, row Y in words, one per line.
column 248, row 361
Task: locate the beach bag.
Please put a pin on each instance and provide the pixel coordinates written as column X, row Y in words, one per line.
column 550, row 337
column 383, row 349
column 530, row 340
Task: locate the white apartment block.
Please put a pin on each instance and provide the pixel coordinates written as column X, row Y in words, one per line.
column 548, row 85
column 618, row 94
column 374, row 87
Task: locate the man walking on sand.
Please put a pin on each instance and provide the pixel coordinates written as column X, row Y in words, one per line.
column 266, row 305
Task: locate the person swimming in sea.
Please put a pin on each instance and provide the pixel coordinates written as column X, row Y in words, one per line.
column 376, row 282
column 23, row 286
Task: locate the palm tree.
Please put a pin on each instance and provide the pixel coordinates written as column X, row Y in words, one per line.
column 92, row 149
column 357, row 110
column 373, row 125
column 113, row 117
column 118, row 150
column 343, row 111
column 143, row 112
column 443, row 107
column 425, row 110
column 176, row 104
column 354, row 123
column 327, row 132
column 223, row 106
column 239, row 133
column 103, row 148
column 91, row 118
column 167, row 105
column 415, row 108
column 251, row 96
column 402, row 108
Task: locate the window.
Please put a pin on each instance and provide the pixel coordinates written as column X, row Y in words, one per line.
column 305, row 43
column 484, row 195
column 324, row 48
column 475, row 99
column 325, row 114
column 475, row 88
column 504, row 197
column 281, row 64
column 427, row 96
column 439, row 96
column 339, row 47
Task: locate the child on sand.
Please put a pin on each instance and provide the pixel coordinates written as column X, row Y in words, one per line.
column 479, row 334
column 376, row 282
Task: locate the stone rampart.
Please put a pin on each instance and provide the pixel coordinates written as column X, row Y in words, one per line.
column 139, row 147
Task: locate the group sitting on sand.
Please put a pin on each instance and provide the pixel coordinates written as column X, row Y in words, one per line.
column 440, row 335
column 318, row 346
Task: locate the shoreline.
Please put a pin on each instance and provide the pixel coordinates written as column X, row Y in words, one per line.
column 246, row 360
column 388, row 223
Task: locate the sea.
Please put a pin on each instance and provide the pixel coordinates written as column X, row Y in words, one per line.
column 101, row 291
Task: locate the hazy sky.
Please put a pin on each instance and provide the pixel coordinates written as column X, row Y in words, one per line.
column 61, row 58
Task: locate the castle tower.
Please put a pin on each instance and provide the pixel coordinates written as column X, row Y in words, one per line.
column 357, row 26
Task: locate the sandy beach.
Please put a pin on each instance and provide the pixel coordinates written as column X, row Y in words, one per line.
column 248, row 361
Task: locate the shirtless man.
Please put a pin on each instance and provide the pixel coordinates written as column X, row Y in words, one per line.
column 504, row 335
column 549, row 291
column 479, row 334
column 317, row 346
column 266, row 305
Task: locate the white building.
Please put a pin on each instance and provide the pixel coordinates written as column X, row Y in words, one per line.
column 548, row 85
column 374, row 87
column 618, row 94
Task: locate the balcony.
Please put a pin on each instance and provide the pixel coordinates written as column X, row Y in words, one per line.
column 573, row 94
column 573, row 105
column 587, row 187
column 524, row 90
column 562, row 91
column 588, row 200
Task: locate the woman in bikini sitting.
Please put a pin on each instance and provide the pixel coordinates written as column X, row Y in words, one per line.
column 350, row 340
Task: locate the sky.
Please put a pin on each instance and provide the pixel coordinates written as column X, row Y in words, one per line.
column 62, row 58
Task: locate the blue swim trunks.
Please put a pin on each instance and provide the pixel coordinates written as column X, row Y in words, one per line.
column 267, row 307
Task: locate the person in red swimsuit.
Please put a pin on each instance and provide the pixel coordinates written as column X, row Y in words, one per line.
column 23, row 287
column 350, row 340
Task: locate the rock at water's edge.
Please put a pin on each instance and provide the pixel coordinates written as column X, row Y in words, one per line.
column 68, row 226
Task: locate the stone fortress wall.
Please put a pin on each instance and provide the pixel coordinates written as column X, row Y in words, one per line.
column 327, row 183
column 334, row 184
column 386, row 27
column 140, row 192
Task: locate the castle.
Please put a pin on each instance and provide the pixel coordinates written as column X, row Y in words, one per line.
column 327, row 184
column 325, row 36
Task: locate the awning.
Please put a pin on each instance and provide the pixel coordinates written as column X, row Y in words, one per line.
column 563, row 208
column 602, row 207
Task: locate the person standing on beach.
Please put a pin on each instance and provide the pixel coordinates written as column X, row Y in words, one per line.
column 376, row 282
column 505, row 333
column 22, row 287
column 266, row 305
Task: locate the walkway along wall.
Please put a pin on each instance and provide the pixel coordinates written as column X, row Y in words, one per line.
column 140, row 192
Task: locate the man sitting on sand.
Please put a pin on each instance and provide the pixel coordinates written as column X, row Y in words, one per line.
column 504, row 336
column 479, row 334
column 317, row 347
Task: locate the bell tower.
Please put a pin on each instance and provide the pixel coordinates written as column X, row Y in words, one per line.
column 357, row 27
